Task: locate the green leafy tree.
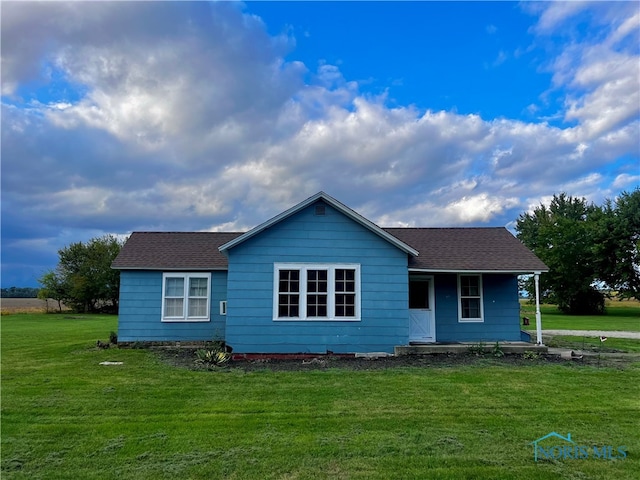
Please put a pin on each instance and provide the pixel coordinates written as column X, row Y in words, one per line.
column 52, row 287
column 562, row 237
column 85, row 276
column 617, row 244
column 585, row 246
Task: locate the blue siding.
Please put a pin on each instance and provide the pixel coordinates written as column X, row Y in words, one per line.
column 141, row 310
column 331, row 238
column 501, row 310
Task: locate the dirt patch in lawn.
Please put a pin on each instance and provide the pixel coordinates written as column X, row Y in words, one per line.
column 185, row 358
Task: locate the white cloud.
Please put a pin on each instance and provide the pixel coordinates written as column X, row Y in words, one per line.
column 479, row 208
column 625, row 180
column 197, row 121
column 554, row 14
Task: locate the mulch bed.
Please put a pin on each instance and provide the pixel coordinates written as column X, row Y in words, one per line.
column 185, row 358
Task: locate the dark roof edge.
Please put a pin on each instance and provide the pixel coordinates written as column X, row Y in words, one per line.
column 523, row 271
column 173, row 269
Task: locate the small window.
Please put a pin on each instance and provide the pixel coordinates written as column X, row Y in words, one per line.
column 418, row 294
column 185, row 297
column 470, row 298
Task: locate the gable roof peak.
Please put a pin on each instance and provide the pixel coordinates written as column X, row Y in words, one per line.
column 352, row 214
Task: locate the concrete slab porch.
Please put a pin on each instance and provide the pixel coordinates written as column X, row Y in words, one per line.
column 463, row 347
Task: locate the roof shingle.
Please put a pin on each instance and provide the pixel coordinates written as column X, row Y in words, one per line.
column 174, row 251
column 468, row 249
column 440, row 249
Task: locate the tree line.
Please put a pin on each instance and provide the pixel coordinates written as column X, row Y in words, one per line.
column 19, row 292
column 84, row 280
column 591, row 250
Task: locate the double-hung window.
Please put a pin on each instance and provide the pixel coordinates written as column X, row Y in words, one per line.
column 185, row 297
column 470, row 307
column 316, row 291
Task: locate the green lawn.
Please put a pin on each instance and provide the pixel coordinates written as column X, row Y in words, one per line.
column 66, row 417
column 623, row 316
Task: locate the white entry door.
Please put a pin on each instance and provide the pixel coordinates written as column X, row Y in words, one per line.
column 422, row 320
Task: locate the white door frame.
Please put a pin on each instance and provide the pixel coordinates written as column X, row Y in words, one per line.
column 426, row 334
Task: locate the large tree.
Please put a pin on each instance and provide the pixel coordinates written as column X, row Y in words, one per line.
column 561, row 237
column 587, row 248
column 83, row 278
column 617, row 244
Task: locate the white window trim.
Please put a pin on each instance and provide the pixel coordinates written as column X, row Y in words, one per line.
column 331, row 285
column 470, row 320
column 223, row 307
column 185, row 305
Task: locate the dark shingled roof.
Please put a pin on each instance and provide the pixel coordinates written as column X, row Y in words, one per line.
column 468, row 249
column 174, row 251
column 441, row 249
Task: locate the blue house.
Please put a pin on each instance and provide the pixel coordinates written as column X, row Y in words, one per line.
column 321, row 278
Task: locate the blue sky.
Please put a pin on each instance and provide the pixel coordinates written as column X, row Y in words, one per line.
column 201, row 116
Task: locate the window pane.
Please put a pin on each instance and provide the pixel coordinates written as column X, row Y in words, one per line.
column 316, row 305
column 316, row 281
column 418, row 294
column 288, row 305
column 345, row 280
column 470, row 286
column 174, row 287
column 197, row 307
column 198, row 287
column 289, row 281
column 345, row 305
column 470, row 308
column 173, row 307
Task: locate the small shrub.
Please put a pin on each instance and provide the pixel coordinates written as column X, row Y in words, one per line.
column 497, row 351
column 113, row 338
column 211, row 357
column 531, row 355
column 477, row 349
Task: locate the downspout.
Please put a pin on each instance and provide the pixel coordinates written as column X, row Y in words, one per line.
column 536, row 278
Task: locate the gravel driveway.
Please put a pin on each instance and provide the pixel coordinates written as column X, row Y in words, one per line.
column 591, row 333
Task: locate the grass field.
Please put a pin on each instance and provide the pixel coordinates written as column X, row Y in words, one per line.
column 65, row 416
column 622, row 316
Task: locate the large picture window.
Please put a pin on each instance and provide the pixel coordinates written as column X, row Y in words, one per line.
column 185, row 297
column 316, row 291
column 470, row 308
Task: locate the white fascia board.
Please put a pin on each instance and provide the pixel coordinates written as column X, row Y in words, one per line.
column 335, row 204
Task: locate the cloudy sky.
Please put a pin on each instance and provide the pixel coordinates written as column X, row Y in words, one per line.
column 216, row 116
